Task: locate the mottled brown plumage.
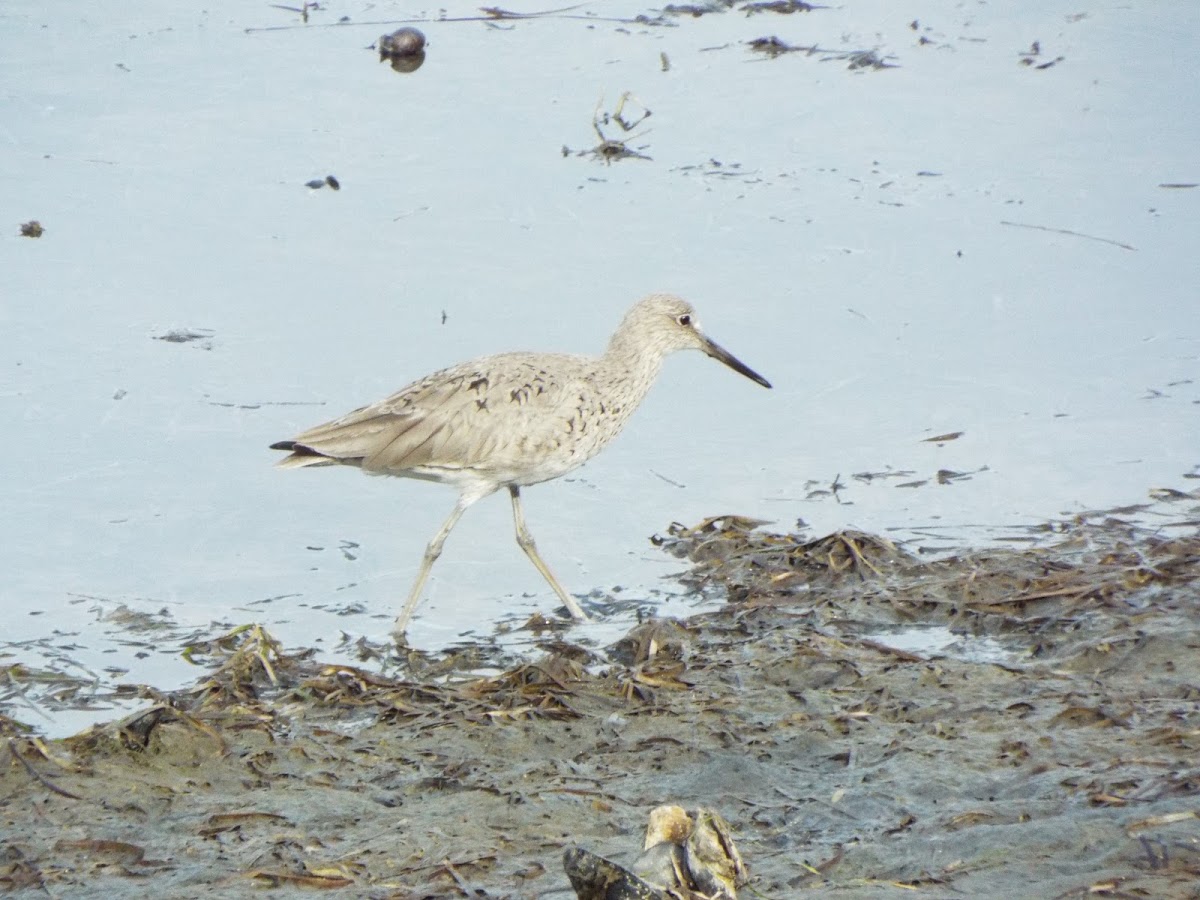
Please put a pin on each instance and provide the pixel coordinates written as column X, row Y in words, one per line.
column 509, row 420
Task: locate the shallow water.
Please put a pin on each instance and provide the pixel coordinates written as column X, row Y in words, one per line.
column 905, row 253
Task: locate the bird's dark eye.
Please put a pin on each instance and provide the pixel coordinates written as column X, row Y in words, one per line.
column 685, row 320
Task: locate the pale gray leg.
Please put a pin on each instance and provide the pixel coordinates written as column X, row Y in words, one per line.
column 525, row 539
column 432, row 552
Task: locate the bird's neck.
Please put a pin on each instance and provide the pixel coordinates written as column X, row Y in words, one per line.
column 632, row 365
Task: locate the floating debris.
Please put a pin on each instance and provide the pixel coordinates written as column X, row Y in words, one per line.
column 302, row 10
column 867, row 59
column 772, row 46
column 784, row 7
column 404, row 48
column 1031, row 56
column 610, row 149
column 1078, row 234
column 32, row 229
column 402, row 42
column 698, row 10
column 187, row 336
column 949, row 476
column 714, row 168
column 180, row 336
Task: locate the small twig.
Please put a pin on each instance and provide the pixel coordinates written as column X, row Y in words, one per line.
column 498, row 16
column 666, row 479
column 1090, row 237
column 448, row 867
column 862, row 560
column 21, row 691
column 45, row 782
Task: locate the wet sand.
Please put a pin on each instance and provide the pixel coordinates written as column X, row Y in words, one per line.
column 1059, row 760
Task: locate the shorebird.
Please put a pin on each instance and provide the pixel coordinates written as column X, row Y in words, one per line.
column 509, row 420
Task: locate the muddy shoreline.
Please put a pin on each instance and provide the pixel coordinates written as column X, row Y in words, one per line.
column 1064, row 766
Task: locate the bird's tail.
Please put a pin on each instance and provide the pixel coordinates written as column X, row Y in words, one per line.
column 301, row 456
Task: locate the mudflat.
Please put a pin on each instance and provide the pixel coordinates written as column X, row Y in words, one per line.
column 1049, row 750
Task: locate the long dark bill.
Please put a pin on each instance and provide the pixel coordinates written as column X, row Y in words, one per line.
column 716, row 351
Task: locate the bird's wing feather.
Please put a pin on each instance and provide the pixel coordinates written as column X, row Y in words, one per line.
column 491, row 415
